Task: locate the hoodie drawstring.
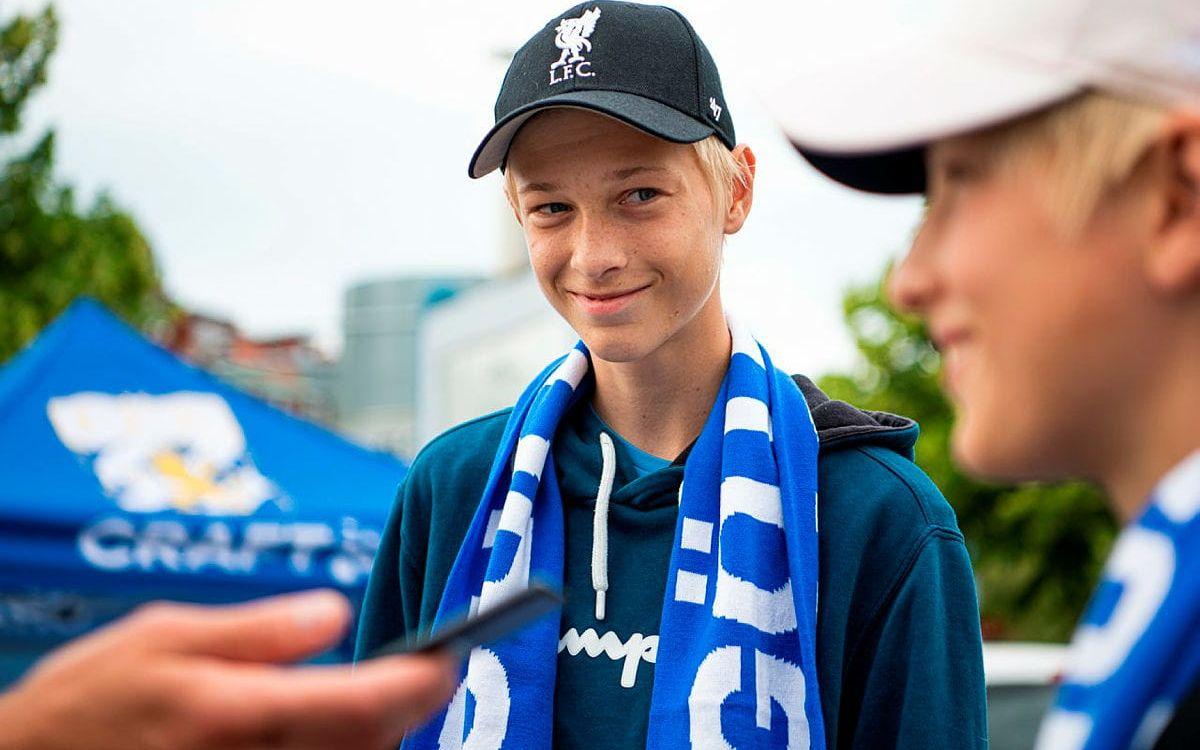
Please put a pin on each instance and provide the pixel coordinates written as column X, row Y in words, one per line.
column 608, row 472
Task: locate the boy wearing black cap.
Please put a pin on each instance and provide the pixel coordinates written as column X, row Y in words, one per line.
column 664, row 472
column 1058, row 270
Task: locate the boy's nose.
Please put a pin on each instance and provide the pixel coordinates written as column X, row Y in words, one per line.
column 596, row 253
column 912, row 284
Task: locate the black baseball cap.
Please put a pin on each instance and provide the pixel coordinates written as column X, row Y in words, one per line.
column 642, row 64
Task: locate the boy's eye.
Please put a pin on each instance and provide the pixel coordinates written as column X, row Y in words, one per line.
column 552, row 208
column 951, row 176
column 955, row 171
column 960, row 171
column 642, row 195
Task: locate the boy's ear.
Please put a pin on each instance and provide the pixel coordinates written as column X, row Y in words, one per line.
column 743, row 189
column 1173, row 265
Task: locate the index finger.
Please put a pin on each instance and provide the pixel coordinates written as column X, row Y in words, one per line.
column 371, row 705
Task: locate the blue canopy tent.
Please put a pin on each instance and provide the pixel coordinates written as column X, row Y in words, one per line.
column 127, row 475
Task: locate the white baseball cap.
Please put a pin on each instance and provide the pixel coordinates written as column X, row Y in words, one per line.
column 865, row 116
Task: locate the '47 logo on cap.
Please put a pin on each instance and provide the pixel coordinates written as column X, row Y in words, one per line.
column 571, row 36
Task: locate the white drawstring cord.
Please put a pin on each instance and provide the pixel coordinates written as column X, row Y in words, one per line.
column 608, row 472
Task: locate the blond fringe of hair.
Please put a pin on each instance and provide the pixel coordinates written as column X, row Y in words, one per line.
column 1082, row 150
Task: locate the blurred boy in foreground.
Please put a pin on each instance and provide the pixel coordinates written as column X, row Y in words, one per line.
column 1058, row 270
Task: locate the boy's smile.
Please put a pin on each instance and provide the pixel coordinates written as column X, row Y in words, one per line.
column 601, row 305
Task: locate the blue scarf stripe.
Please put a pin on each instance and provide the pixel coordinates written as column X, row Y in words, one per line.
column 728, row 662
column 777, row 387
column 1136, row 652
column 749, row 381
column 756, row 462
column 1179, row 684
column 524, row 483
column 505, row 546
column 552, row 399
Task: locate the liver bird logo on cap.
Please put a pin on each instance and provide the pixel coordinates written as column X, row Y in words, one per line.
column 571, row 36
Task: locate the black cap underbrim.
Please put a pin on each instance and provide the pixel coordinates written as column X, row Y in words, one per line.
column 645, row 114
column 897, row 172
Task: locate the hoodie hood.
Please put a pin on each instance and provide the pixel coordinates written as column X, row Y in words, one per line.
column 840, row 425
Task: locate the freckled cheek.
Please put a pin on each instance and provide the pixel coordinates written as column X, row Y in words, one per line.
column 546, row 258
column 548, row 270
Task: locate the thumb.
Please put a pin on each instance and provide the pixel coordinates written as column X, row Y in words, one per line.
column 277, row 629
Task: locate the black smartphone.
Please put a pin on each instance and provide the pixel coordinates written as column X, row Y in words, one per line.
column 461, row 636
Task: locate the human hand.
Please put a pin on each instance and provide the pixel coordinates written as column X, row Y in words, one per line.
column 184, row 677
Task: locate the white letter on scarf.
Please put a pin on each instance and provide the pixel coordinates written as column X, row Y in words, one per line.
column 487, row 679
column 1143, row 562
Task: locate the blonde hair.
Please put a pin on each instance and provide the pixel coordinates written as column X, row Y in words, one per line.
column 720, row 167
column 1085, row 148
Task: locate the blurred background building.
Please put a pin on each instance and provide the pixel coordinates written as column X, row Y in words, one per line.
column 376, row 378
column 287, row 371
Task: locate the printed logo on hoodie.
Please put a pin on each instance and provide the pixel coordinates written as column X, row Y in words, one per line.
column 639, row 648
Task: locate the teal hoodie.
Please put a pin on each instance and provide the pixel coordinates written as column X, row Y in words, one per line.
column 899, row 650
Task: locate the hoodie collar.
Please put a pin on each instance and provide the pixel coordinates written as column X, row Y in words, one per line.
column 578, row 461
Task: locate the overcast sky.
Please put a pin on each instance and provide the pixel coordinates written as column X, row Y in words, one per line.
column 277, row 151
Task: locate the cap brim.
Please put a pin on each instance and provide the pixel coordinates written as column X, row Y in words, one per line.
column 648, row 115
column 865, row 120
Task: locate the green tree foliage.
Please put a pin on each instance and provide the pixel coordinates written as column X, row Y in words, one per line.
column 1037, row 548
column 51, row 251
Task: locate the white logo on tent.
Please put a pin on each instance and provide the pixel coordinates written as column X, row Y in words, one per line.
column 181, row 451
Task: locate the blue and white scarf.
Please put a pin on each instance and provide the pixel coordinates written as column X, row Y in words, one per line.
column 737, row 663
column 1136, row 652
